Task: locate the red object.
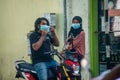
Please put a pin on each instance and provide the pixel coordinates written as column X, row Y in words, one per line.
column 30, row 76
column 114, row 12
column 70, row 63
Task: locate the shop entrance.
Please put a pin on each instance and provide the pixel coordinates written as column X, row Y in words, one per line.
column 108, row 33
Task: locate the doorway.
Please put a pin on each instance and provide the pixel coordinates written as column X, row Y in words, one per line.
column 108, row 34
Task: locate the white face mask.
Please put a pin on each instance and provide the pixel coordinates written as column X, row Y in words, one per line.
column 76, row 25
column 45, row 27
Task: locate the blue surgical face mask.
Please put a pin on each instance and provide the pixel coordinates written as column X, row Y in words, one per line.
column 45, row 27
column 75, row 25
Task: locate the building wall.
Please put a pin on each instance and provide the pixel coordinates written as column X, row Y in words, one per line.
column 16, row 20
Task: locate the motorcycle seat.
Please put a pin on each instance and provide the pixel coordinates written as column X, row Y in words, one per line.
column 26, row 67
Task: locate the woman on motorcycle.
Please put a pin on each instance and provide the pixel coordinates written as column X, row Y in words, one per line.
column 74, row 49
column 76, row 37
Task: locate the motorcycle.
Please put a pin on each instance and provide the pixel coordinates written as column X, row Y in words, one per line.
column 72, row 65
column 67, row 70
column 26, row 71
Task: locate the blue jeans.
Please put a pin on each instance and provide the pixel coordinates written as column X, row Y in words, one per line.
column 42, row 68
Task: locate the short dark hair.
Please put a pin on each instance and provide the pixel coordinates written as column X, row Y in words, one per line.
column 38, row 21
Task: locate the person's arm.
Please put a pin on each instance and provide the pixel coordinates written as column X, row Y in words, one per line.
column 38, row 44
column 56, row 41
column 80, row 38
column 114, row 74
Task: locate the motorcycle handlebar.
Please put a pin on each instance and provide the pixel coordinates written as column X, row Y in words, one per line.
column 53, row 52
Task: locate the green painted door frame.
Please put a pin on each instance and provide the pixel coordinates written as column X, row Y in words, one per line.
column 94, row 36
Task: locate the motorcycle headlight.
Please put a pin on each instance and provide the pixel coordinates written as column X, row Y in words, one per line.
column 76, row 69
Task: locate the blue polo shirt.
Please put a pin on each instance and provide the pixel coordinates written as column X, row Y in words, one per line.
column 42, row 54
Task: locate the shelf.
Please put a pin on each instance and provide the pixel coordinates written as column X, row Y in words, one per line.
column 109, row 62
